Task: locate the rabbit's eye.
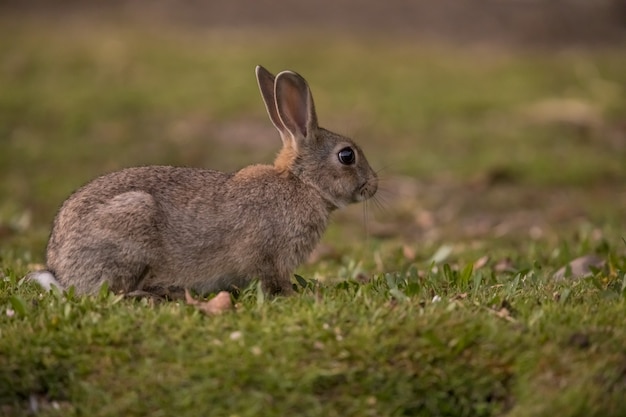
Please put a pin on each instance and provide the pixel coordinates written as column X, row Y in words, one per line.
column 346, row 156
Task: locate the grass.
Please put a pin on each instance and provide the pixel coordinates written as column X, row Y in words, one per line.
column 500, row 167
column 514, row 343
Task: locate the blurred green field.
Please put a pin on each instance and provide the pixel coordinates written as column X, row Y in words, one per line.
column 510, row 162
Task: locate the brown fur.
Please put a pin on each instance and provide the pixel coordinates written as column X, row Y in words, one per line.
column 160, row 226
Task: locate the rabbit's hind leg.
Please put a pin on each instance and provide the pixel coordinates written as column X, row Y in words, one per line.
column 129, row 224
column 117, row 243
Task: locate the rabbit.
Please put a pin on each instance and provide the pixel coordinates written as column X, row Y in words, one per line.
column 155, row 227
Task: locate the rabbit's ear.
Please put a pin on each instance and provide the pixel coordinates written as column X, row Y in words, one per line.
column 265, row 80
column 294, row 104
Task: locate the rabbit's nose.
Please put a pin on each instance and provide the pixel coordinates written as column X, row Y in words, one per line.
column 368, row 189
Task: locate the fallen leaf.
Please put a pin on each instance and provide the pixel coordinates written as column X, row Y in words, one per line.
column 504, row 265
column 408, row 252
column 236, row 335
column 378, row 260
column 441, row 254
column 216, row 305
column 579, row 267
column 480, row 262
column 503, row 313
column 35, row 267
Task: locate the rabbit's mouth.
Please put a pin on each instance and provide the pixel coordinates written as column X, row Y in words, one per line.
column 366, row 190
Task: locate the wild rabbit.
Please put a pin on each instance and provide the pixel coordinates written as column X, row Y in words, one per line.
column 152, row 227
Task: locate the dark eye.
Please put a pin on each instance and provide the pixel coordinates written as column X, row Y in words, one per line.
column 346, row 156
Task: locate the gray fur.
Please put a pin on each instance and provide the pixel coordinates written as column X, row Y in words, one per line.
column 160, row 226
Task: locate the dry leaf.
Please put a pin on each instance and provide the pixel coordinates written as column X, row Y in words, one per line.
column 480, row 262
column 35, row 267
column 503, row 265
column 504, row 313
column 408, row 252
column 378, row 260
column 216, row 305
column 579, row 267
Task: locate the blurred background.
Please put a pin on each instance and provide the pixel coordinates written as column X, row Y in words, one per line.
column 530, row 22
column 488, row 119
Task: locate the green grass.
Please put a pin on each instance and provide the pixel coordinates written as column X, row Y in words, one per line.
column 514, row 343
column 514, row 155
